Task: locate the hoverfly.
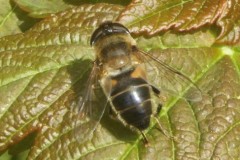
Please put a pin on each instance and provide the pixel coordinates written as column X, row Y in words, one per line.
column 120, row 69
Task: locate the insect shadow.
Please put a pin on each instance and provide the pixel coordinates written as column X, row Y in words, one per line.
column 79, row 72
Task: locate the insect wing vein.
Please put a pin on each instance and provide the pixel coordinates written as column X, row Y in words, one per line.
column 89, row 114
column 169, row 79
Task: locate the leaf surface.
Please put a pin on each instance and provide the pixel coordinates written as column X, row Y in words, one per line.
column 44, row 71
column 8, row 20
column 154, row 16
column 42, row 8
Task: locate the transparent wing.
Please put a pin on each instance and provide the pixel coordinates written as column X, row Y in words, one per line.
column 89, row 111
column 166, row 78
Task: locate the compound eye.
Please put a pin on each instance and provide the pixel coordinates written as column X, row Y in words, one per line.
column 97, row 34
column 118, row 28
column 107, row 28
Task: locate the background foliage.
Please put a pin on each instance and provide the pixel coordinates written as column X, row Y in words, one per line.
column 45, row 58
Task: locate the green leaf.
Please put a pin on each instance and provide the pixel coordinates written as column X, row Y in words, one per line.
column 13, row 20
column 42, row 8
column 8, row 20
column 44, row 71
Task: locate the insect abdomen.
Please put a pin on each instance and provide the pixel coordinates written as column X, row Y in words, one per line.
column 131, row 100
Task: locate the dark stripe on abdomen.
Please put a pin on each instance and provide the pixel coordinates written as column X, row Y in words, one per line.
column 133, row 104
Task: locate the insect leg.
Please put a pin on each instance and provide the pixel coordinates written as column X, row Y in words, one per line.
column 162, row 129
column 144, row 138
column 159, row 108
column 112, row 114
column 155, row 90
